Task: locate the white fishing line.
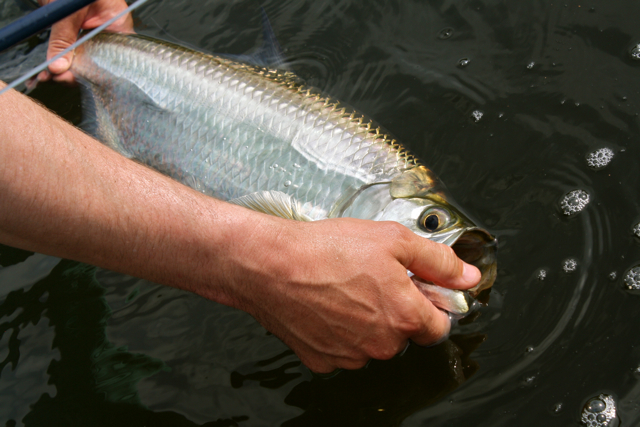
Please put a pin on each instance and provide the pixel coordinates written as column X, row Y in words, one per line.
column 83, row 39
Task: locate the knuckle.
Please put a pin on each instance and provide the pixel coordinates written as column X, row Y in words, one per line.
column 409, row 326
column 60, row 43
column 396, row 233
column 315, row 365
column 352, row 364
column 386, row 352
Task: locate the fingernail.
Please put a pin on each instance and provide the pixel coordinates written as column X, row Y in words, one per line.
column 59, row 65
column 470, row 274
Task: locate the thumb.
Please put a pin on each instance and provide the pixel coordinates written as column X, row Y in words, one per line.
column 63, row 35
column 439, row 264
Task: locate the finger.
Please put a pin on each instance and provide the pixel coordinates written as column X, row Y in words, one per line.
column 439, row 264
column 63, row 34
column 67, row 77
column 436, row 324
column 102, row 11
column 315, row 361
column 43, row 76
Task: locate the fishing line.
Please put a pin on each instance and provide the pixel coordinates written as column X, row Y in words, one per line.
column 83, row 39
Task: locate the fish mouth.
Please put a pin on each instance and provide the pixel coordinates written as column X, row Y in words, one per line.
column 477, row 247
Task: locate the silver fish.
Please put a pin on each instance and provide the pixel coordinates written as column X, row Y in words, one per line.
column 263, row 139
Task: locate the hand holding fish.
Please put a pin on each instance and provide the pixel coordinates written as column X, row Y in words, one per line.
column 65, row 33
column 336, row 291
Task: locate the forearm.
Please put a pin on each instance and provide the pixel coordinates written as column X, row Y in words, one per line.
column 64, row 194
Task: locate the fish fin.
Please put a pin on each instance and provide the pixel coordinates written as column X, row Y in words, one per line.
column 96, row 120
column 274, row 203
column 269, row 54
column 414, row 182
column 454, row 301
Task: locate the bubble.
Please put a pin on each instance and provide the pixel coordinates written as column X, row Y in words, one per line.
column 542, row 274
column 635, row 52
column 632, row 278
column 477, row 115
column 463, row 62
column 528, row 349
column 599, row 411
column 574, row 201
column 295, row 165
column 287, row 183
column 637, row 372
column 596, row 405
column 636, row 229
column 530, row 65
column 445, row 33
column 570, row 265
column 599, row 158
column 557, row 407
column 613, row 275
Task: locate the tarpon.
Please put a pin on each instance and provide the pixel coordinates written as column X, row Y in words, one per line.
column 261, row 138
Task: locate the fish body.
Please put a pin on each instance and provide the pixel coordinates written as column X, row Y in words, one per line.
column 261, row 138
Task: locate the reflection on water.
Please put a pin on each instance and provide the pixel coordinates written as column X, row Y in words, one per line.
column 514, row 105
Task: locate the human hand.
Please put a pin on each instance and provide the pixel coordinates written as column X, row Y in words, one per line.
column 337, row 291
column 64, row 33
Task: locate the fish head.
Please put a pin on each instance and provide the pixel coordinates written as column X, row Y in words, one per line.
column 418, row 203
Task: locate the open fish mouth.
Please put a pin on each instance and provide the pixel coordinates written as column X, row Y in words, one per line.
column 477, row 247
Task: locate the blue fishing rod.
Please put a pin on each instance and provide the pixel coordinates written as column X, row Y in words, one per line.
column 38, row 20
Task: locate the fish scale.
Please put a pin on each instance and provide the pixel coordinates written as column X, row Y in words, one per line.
column 199, row 111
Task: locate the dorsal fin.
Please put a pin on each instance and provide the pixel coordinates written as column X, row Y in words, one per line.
column 274, row 203
column 269, row 54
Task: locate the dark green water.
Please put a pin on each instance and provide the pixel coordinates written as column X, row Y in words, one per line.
column 554, row 81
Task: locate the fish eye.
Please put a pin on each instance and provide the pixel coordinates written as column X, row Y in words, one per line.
column 434, row 219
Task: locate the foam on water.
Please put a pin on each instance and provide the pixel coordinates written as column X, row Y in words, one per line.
column 632, row 278
column 599, row 411
column 636, row 229
column 463, row 62
column 574, row 202
column 570, row 265
column 599, row 158
column 542, row 274
column 635, row 52
column 445, row 33
column 477, row 115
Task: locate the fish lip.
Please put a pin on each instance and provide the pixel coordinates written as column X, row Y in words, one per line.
column 477, row 247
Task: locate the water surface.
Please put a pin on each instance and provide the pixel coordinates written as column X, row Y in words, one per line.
column 506, row 102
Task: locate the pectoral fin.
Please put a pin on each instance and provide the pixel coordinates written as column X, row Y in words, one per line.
column 274, row 203
column 415, row 182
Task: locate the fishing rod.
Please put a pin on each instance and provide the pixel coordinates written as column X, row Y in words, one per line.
column 38, row 20
column 83, row 39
